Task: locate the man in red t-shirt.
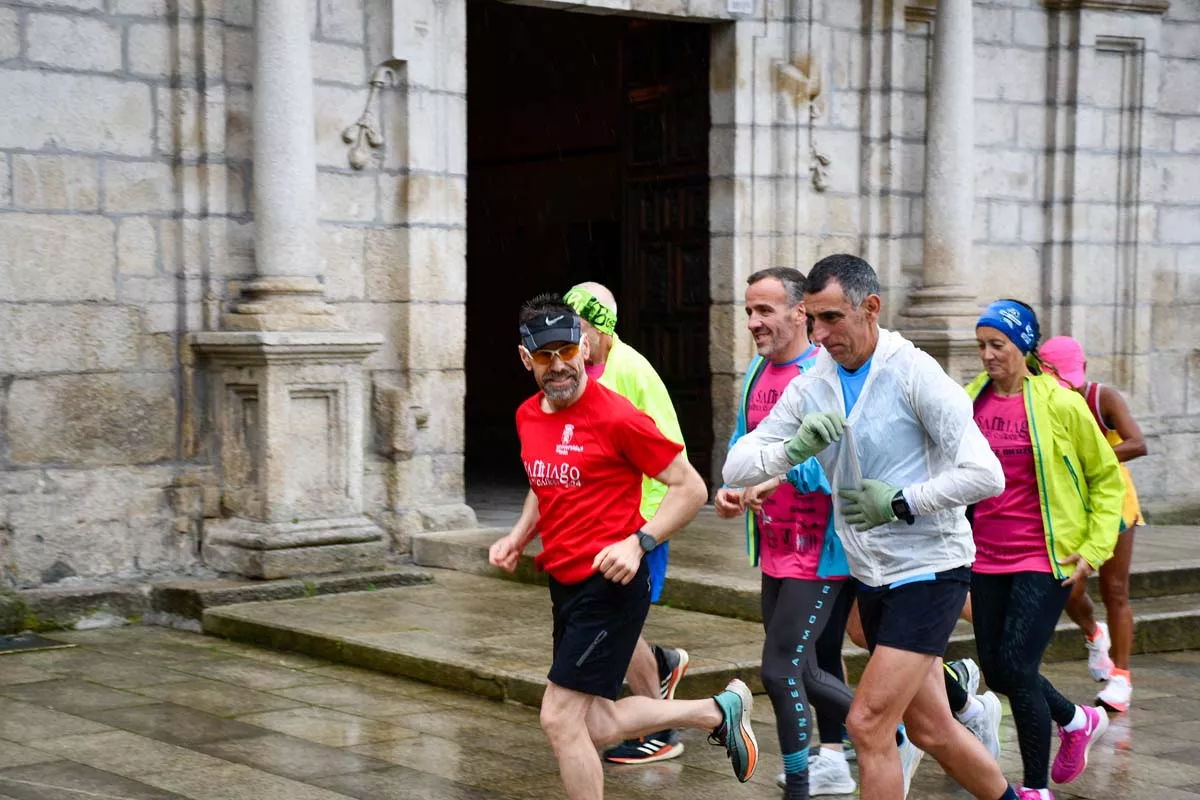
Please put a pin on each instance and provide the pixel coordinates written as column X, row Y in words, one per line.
column 585, row 450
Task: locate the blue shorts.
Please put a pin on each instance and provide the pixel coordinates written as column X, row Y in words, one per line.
column 656, row 559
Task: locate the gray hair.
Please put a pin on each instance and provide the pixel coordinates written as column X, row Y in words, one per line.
column 792, row 279
column 856, row 277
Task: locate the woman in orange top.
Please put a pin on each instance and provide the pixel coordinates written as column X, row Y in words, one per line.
column 1066, row 357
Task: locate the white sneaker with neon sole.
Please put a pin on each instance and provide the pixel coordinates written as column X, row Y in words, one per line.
column 1099, row 664
column 1116, row 694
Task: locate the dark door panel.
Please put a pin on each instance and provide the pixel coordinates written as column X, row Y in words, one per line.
column 665, row 271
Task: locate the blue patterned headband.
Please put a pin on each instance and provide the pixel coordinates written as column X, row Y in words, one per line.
column 1013, row 320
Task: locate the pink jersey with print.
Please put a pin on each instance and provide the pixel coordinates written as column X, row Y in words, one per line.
column 1009, row 536
column 792, row 525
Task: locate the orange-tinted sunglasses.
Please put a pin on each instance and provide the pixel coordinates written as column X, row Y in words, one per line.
column 544, row 356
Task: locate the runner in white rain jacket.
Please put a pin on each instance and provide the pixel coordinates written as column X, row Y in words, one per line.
column 912, row 427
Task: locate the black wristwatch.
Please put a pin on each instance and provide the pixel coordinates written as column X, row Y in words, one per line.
column 900, row 508
column 647, row 541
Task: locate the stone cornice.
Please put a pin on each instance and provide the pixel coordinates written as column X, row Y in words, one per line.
column 250, row 348
column 1139, row 6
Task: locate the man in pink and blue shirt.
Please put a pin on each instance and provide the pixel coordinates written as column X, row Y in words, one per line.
column 789, row 533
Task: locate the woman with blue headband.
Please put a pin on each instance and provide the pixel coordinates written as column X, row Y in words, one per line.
column 1054, row 524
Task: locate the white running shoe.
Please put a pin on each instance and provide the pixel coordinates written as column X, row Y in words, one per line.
column 968, row 672
column 1099, row 664
column 985, row 726
column 830, row 776
column 826, row 776
column 1116, row 694
column 910, row 757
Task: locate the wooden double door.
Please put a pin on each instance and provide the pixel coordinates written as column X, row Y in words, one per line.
column 587, row 160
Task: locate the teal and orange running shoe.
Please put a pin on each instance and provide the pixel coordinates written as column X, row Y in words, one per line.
column 735, row 732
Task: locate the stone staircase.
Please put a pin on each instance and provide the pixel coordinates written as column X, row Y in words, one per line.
column 481, row 630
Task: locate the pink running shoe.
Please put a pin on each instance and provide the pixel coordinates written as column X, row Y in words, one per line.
column 1073, row 751
column 1033, row 794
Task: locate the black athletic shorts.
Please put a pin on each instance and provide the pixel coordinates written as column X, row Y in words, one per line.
column 596, row 626
column 918, row 614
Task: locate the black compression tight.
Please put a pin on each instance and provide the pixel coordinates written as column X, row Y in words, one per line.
column 794, row 614
column 1014, row 619
column 832, row 726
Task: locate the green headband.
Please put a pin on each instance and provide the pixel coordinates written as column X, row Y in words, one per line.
column 587, row 306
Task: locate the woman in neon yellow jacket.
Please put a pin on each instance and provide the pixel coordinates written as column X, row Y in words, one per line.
column 1054, row 524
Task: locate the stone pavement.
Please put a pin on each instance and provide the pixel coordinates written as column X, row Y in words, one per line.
column 153, row 714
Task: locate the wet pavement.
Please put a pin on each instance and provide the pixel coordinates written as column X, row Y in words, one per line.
column 156, row 714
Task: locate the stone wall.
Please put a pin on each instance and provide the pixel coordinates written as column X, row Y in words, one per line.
column 125, row 158
column 91, row 386
column 1086, row 180
column 1165, row 375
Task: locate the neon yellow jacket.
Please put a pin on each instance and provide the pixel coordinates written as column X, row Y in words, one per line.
column 1078, row 475
column 629, row 374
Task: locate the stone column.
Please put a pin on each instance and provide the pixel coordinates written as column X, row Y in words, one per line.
column 285, row 378
column 940, row 315
column 287, row 294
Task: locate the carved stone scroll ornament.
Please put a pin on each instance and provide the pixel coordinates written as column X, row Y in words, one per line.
column 801, row 81
column 366, row 134
column 819, row 168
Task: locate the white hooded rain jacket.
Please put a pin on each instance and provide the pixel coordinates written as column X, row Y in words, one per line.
column 912, row 427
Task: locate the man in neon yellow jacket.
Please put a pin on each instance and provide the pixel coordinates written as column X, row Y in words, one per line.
column 654, row 671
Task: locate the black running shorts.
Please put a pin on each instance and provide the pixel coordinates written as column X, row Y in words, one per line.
column 596, row 626
column 918, row 615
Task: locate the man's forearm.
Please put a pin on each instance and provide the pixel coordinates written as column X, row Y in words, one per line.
column 679, row 507
column 965, row 484
column 752, row 461
column 524, row 530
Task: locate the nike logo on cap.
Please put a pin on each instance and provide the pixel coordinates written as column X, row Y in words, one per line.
column 552, row 321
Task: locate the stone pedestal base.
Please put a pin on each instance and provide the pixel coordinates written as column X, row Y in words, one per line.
column 283, row 304
column 287, row 412
column 404, row 523
column 941, row 321
column 285, row 549
column 942, row 308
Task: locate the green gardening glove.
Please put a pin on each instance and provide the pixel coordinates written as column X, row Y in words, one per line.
column 869, row 506
column 817, row 431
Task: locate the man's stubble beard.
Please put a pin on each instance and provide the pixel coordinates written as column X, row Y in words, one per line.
column 564, row 392
column 776, row 344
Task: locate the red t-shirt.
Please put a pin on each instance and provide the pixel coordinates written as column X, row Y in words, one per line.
column 1009, row 535
column 585, row 464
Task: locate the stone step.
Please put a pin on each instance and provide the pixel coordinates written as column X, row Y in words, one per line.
column 493, row 637
column 189, row 598
column 180, row 602
column 728, row 587
column 477, row 634
column 1161, row 624
column 709, row 571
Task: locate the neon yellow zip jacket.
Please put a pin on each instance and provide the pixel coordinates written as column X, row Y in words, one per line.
column 1078, row 475
column 629, row 374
